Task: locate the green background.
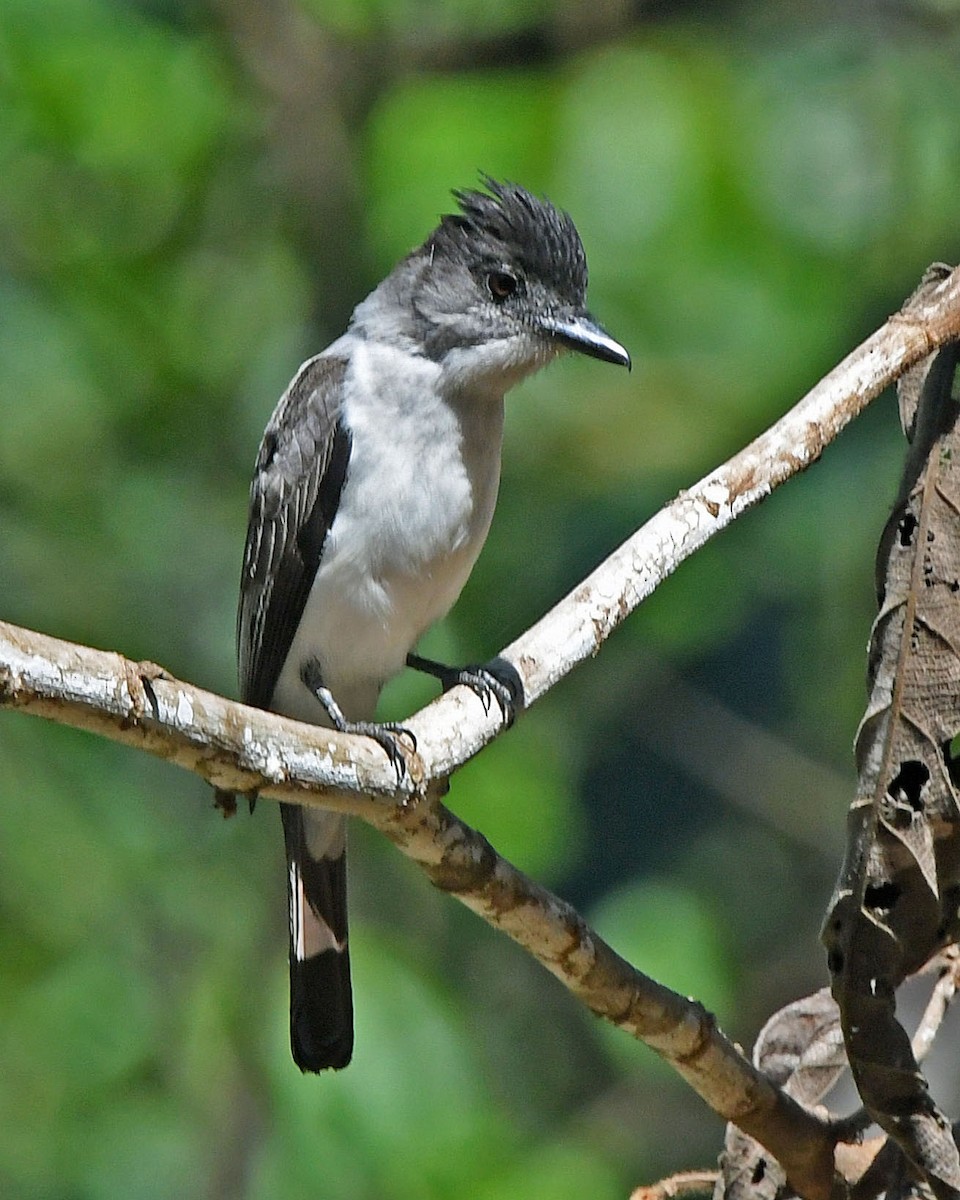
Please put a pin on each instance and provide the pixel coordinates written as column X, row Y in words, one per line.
column 193, row 196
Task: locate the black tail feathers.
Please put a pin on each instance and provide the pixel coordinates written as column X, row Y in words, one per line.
column 321, row 1001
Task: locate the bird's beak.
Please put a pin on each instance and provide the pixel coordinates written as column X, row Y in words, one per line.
column 581, row 332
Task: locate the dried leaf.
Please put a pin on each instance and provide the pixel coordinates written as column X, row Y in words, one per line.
column 801, row 1047
column 747, row 1171
column 896, row 900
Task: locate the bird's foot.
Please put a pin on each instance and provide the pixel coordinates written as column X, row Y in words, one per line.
column 485, row 683
column 386, row 734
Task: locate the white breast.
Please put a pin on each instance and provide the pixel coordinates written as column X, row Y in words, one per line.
column 414, row 513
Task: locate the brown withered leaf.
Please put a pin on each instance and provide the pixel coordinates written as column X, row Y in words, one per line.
column 747, row 1171
column 801, row 1049
column 896, row 899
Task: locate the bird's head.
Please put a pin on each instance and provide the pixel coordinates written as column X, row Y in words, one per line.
column 499, row 288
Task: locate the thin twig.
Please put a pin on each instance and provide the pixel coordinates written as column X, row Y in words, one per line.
column 684, row 1183
column 947, row 962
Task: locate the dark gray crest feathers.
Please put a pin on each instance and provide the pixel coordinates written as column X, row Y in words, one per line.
column 507, row 224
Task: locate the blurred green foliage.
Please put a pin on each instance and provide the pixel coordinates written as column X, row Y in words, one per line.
column 193, row 197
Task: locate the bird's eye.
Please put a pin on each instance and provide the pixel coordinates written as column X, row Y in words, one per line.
column 501, row 284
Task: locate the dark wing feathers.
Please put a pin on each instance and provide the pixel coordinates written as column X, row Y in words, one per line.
column 296, row 488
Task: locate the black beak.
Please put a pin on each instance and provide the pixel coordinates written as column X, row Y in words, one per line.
column 580, row 332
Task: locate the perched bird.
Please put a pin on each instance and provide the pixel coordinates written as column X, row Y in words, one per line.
column 372, row 496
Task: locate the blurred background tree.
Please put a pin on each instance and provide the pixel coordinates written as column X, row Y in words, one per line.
column 194, row 195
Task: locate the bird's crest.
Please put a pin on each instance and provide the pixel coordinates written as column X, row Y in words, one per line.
column 509, row 224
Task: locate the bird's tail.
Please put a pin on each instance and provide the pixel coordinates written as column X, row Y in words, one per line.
column 321, row 1004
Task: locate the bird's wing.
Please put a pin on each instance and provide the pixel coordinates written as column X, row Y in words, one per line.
column 294, row 496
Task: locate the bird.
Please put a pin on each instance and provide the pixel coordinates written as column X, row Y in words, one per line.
column 372, row 494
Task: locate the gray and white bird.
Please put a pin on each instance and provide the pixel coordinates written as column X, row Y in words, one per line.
column 373, row 492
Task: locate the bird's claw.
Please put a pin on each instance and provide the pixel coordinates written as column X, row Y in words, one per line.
column 488, row 687
column 384, row 733
column 387, row 735
column 484, row 682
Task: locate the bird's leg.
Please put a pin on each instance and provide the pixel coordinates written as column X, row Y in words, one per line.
column 384, row 733
column 483, row 681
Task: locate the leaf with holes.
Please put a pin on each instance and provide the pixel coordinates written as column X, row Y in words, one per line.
column 896, row 900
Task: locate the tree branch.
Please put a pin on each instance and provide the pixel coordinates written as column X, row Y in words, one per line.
column 137, row 704
column 240, row 748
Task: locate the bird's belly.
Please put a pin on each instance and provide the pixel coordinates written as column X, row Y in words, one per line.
column 361, row 629
column 384, row 578
column 413, row 515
